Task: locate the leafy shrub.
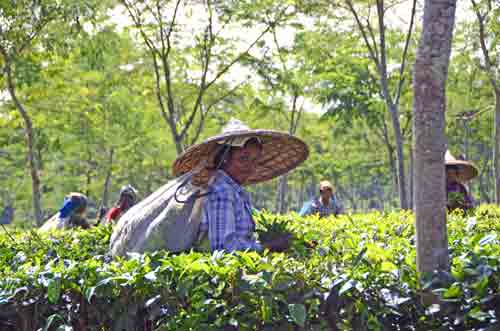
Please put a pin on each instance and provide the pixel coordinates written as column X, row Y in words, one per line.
column 347, row 273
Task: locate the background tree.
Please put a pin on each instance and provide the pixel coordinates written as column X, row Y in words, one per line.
column 378, row 52
column 21, row 24
column 203, row 53
column 470, row 110
column 286, row 76
column 90, row 92
column 429, row 81
column 487, row 13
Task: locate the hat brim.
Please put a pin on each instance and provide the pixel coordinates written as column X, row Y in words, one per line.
column 466, row 170
column 281, row 152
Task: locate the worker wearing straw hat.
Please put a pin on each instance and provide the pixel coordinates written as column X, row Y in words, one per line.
column 326, row 204
column 238, row 157
column 457, row 173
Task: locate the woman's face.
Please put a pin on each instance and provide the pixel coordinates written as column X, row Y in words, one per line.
column 242, row 162
column 326, row 193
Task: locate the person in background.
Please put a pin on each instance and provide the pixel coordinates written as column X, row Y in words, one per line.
column 325, row 205
column 457, row 173
column 128, row 198
column 71, row 215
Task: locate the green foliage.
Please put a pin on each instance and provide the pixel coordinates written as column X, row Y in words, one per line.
column 360, row 271
column 89, row 86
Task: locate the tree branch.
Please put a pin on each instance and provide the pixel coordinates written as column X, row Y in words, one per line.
column 373, row 54
column 208, row 42
column 244, row 53
column 165, row 52
column 224, row 96
column 405, row 52
column 484, row 48
column 383, row 59
column 138, row 24
column 374, row 40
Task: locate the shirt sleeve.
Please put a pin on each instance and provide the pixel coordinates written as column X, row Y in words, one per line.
column 113, row 213
column 338, row 208
column 219, row 214
column 306, row 209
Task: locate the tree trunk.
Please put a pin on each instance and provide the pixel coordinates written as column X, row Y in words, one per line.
column 302, row 191
column 497, row 146
column 178, row 144
column 282, row 192
column 88, row 175
column 107, row 181
column 410, row 179
column 491, row 70
column 390, row 156
column 347, row 197
column 403, row 201
column 429, row 81
column 483, row 179
column 28, row 126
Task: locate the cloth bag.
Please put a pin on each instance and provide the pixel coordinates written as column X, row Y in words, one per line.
column 168, row 219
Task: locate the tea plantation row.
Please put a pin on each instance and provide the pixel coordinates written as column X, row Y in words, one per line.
column 349, row 273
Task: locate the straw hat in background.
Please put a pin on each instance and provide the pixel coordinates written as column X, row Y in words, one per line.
column 466, row 170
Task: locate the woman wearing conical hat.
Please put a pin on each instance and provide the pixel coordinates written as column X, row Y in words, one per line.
column 238, row 157
column 457, row 173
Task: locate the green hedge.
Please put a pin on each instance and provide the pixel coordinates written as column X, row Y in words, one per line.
column 348, row 273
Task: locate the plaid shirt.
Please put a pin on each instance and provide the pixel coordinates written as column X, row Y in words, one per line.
column 465, row 202
column 227, row 216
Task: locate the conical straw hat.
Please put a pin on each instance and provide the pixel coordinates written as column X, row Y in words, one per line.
column 466, row 170
column 281, row 152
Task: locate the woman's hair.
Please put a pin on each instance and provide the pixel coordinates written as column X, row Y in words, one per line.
column 254, row 141
column 220, row 156
column 452, row 167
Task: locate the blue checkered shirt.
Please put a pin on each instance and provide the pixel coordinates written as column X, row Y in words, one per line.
column 227, row 216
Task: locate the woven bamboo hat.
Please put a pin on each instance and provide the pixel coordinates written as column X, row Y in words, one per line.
column 466, row 170
column 281, row 152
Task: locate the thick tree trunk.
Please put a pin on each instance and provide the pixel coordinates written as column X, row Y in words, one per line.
column 28, row 126
column 429, row 81
column 497, row 146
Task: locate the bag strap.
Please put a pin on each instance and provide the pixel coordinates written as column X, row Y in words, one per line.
column 199, row 167
column 188, row 178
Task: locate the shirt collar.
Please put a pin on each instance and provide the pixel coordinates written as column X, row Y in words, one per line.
column 228, row 180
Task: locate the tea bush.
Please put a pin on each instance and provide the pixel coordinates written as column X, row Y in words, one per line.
column 347, row 273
